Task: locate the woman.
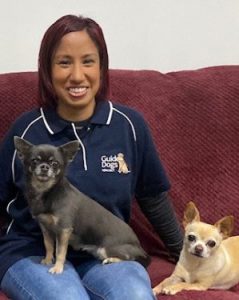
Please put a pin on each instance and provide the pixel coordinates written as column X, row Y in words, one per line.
column 117, row 162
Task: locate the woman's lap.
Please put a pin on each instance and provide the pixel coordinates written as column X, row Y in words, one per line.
column 28, row 279
column 124, row 280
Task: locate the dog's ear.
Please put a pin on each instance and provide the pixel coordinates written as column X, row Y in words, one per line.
column 191, row 214
column 225, row 226
column 69, row 150
column 22, row 146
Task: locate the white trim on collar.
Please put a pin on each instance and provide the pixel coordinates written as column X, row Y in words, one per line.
column 110, row 113
column 82, row 145
column 45, row 121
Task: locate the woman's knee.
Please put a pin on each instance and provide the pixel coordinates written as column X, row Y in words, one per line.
column 29, row 280
column 124, row 280
column 138, row 283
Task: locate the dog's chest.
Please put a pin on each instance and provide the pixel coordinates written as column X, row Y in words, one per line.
column 50, row 222
column 197, row 272
column 38, row 204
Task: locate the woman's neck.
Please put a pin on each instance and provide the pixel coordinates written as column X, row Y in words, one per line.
column 75, row 114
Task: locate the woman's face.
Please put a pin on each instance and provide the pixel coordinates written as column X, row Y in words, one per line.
column 76, row 76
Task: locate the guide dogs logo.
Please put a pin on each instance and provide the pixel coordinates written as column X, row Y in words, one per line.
column 114, row 163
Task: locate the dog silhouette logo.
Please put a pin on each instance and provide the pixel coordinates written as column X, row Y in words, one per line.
column 123, row 168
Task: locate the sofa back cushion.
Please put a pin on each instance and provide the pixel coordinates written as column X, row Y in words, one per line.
column 194, row 118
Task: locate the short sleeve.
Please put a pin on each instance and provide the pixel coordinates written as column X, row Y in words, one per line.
column 152, row 178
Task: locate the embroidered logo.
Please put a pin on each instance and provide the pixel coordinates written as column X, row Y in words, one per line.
column 123, row 168
column 114, row 163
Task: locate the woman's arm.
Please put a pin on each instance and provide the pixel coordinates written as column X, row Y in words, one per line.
column 160, row 213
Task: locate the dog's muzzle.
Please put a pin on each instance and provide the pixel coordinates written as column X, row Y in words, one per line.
column 198, row 251
column 44, row 172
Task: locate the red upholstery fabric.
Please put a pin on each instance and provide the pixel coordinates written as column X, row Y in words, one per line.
column 194, row 118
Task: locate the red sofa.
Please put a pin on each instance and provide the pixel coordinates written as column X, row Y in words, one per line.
column 194, row 118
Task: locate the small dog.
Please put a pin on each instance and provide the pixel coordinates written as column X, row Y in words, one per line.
column 67, row 216
column 209, row 258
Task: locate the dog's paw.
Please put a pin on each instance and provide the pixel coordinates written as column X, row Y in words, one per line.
column 46, row 261
column 56, row 269
column 157, row 290
column 170, row 290
column 110, row 260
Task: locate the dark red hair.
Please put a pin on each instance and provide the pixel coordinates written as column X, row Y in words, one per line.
column 49, row 44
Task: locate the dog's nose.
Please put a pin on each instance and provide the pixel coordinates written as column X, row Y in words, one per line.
column 198, row 249
column 44, row 167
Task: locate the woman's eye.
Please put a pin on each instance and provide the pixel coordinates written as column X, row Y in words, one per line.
column 88, row 61
column 64, row 63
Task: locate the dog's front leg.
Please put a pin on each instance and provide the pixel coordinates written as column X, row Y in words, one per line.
column 49, row 246
column 167, row 282
column 178, row 287
column 62, row 241
column 46, row 221
column 179, row 276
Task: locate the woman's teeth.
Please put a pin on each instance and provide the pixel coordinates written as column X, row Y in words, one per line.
column 77, row 92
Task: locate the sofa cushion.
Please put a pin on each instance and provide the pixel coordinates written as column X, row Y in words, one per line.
column 194, row 118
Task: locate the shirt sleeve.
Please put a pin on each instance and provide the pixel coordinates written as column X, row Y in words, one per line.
column 152, row 193
column 160, row 213
column 151, row 175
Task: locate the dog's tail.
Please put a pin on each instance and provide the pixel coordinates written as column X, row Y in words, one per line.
column 130, row 252
column 142, row 257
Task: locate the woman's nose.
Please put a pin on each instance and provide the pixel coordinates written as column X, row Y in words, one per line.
column 77, row 73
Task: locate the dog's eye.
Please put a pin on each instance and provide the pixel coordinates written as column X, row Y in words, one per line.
column 211, row 243
column 54, row 164
column 191, row 238
column 34, row 161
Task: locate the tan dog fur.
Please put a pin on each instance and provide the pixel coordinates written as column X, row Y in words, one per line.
column 203, row 265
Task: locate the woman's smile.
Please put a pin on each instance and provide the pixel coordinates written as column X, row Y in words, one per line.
column 77, row 92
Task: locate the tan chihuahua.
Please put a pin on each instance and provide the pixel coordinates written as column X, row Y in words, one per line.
column 209, row 258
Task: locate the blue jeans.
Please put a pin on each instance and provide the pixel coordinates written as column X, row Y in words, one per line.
column 27, row 279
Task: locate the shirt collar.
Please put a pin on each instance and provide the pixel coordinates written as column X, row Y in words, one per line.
column 55, row 124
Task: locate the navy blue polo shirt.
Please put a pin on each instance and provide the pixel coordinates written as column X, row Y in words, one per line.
column 117, row 161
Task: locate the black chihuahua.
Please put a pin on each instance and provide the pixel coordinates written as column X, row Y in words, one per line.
column 67, row 216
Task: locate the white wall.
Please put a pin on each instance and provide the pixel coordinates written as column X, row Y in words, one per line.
column 164, row 35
